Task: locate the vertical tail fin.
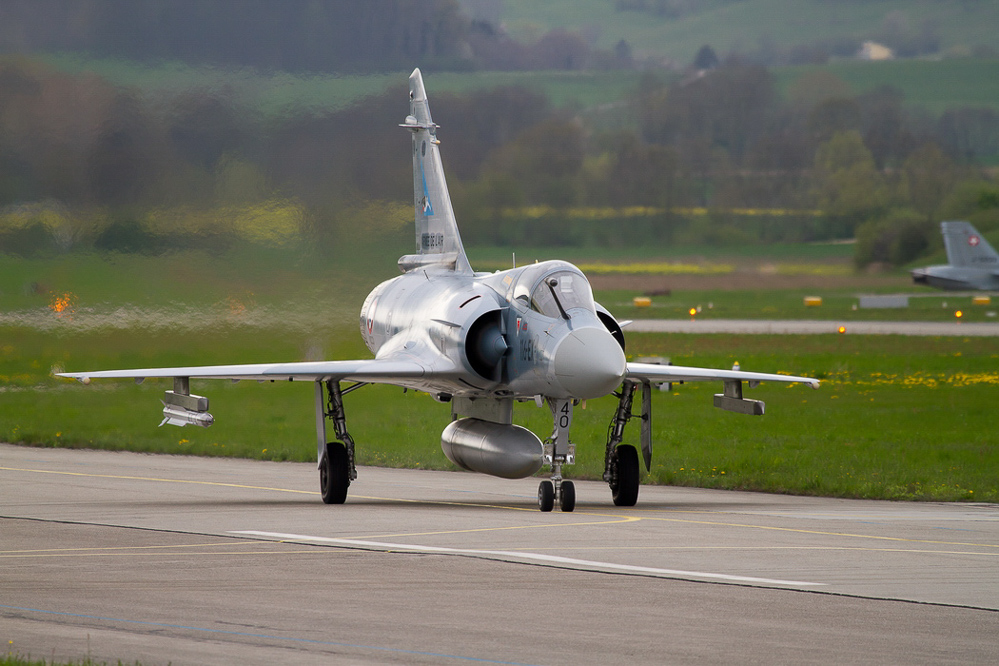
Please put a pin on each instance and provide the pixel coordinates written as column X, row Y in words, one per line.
column 966, row 247
column 437, row 239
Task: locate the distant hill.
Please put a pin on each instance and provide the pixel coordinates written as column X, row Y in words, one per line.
column 798, row 31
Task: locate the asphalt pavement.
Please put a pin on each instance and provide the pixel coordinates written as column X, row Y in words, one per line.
column 182, row 560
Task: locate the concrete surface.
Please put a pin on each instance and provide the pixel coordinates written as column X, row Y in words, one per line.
column 171, row 559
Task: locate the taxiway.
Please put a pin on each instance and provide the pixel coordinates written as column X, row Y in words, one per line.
column 172, row 559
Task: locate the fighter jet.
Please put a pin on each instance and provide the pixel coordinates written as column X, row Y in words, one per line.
column 480, row 342
column 971, row 261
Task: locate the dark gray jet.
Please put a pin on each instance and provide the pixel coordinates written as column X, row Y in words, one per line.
column 971, row 261
column 480, row 342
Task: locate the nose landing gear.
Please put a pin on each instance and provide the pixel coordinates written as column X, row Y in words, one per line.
column 558, row 451
column 551, row 490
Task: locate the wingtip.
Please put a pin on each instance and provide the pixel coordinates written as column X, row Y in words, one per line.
column 83, row 379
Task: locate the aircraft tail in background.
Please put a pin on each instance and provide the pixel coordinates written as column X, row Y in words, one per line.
column 438, row 242
column 971, row 261
column 966, row 247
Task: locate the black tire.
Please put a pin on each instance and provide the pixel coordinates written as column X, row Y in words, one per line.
column 625, row 492
column 568, row 496
column 334, row 474
column 546, row 496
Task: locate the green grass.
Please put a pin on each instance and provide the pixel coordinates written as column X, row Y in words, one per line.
column 771, row 252
column 837, row 305
column 897, row 418
column 21, row 660
column 223, row 290
column 742, row 25
column 274, row 93
column 247, row 276
column 933, row 85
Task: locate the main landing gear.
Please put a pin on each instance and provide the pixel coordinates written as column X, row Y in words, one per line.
column 336, row 459
column 621, row 470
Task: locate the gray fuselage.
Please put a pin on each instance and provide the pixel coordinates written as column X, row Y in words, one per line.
column 533, row 330
column 957, row 278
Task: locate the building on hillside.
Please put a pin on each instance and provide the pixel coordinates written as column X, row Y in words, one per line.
column 874, row 51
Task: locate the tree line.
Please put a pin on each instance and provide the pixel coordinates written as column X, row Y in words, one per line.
column 87, row 164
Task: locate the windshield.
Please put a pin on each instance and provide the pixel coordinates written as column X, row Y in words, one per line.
column 565, row 288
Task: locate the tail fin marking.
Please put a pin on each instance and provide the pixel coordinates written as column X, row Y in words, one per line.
column 966, row 247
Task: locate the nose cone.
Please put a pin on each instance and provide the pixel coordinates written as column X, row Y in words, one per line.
column 589, row 363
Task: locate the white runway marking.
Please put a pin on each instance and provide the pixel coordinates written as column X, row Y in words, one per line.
column 535, row 557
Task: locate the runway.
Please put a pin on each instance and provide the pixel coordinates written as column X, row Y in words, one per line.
column 172, row 559
column 811, row 326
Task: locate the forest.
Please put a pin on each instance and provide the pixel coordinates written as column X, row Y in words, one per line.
column 713, row 153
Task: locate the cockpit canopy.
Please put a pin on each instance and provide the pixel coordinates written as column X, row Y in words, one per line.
column 546, row 286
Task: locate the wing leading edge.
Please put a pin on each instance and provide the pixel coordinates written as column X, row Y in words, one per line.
column 379, row 371
column 677, row 373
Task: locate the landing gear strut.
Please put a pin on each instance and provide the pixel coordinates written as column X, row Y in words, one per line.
column 621, row 470
column 336, row 459
column 558, row 451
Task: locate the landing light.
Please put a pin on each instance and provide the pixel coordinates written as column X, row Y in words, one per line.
column 841, row 329
column 693, row 311
column 958, row 314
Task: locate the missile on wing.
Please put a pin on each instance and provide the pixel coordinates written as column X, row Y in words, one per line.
column 181, row 409
column 179, row 416
column 504, row 450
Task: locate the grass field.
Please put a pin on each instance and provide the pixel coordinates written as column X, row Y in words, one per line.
column 16, row 659
column 276, row 93
column 898, row 418
column 744, row 25
column 756, row 282
column 934, row 85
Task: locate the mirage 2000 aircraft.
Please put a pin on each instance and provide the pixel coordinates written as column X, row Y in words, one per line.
column 971, row 261
column 479, row 341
